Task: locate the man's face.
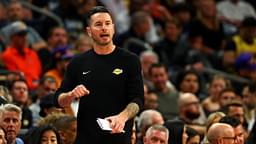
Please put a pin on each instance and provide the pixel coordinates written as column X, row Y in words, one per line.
column 239, row 133
column 249, row 99
column 237, row 112
column 156, row 137
column 11, row 122
column 226, row 97
column 228, row 136
column 191, row 109
column 159, row 77
column 59, row 37
column 20, row 92
column 15, row 12
column 19, row 41
column 101, row 28
column 146, row 62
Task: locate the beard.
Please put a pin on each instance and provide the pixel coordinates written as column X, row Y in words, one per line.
column 192, row 115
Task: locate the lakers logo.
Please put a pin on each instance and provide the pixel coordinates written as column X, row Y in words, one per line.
column 117, row 71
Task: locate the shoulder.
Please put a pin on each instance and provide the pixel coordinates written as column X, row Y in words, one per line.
column 125, row 53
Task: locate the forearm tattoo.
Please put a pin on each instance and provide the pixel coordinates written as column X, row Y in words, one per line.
column 132, row 109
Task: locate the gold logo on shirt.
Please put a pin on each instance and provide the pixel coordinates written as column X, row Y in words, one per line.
column 117, row 71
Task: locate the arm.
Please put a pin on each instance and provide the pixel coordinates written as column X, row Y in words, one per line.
column 117, row 122
column 65, row 99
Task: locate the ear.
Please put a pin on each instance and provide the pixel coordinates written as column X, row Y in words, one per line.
column 88, row 30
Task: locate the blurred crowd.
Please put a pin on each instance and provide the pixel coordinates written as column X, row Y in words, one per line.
column 198, row 59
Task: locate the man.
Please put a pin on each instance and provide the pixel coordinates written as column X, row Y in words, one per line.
column 16, row 12
column 67, row 126
column 10, row 120
column 189, row 111
column 220, row 133
column 108, row 82
column 156, row 134
column 20, row 95
column 238, row 128
column 148, row 118
column 235, row 109
column 46, row 86
column 19, row 57
column 249, row 99
column 167, row 95
column 226, row 96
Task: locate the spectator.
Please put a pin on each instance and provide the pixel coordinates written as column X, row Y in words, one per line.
column 148, row 118
column 10, row 120
column 135, row 38
column 244, row 41
column 232, row 13
column 249, row 100
column 217, row 84
column 46, row 134
column 147, row 58
column 221, row 133
column 20, row 94
column 19, row 57
column 177, row 132
column 57, row 39
column 193, row 136
column 83, row 44
column 156, row 134
column 46, row 86
column 237, row 126
column 226, row 96
column 167, row 96
column 190, row 113
column 16, row 12
column 67, row 127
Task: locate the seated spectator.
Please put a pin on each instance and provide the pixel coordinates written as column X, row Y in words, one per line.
column 16, row 12
column 190, row 112
column 167, row 95
column 177, row 132
column 46, row 86
column 193, row 136
column 221, row 133
column 244, row 41
column 19, row 57
column 62, row 57
column 20, row 95
column 237, row 126
column 66, row 127
column 232, row 13
column 216, row 85
column 57, row 39
column 10, row 120
column 43, row 135
column 135, row 38
column 151, row 100
column 226, row 96
column 146, row 119
column 156, row 134
column 249, row 100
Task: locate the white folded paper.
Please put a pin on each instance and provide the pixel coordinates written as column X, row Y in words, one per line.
column 104, row 124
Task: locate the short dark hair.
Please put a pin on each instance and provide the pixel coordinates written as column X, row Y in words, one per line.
column 234, row 103
column 97, row 9
column 228, row 89
column 234, row 122
column 157, row 65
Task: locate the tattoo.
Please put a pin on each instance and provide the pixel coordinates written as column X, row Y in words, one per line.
column 132, row 109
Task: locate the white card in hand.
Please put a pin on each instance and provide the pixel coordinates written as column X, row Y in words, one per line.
column 104, row 124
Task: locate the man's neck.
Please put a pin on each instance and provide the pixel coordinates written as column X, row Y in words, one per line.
column 104, row 49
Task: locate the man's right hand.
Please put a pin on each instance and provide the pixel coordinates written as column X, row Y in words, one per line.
column 65, row 99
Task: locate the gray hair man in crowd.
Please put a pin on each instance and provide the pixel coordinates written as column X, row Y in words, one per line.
column 156, row 134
